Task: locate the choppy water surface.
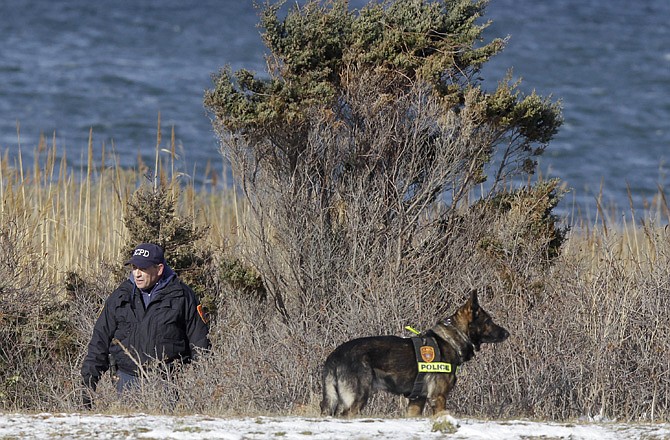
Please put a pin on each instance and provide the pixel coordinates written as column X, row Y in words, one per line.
column 73, row 65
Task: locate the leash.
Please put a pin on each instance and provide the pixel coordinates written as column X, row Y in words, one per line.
column 413, row 330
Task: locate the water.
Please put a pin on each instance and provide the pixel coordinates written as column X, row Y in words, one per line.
column 609, row 63
column 69, row 66
column 113, row 67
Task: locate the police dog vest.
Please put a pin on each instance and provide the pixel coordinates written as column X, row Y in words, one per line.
column 428, row 360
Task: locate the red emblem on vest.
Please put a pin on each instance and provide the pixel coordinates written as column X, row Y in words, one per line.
column 427, row 353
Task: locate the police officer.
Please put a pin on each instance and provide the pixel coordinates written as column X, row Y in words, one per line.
column 152, row 315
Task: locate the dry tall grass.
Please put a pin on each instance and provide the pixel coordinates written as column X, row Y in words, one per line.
column 74, row 221
column 592, row 341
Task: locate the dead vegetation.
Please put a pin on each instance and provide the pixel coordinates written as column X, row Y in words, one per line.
column 373, row 190
column 589, row 331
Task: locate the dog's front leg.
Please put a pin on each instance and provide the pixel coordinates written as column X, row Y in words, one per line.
column 415, row 407
column 438, row 404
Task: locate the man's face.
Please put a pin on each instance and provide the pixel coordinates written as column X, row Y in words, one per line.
column 145, row 279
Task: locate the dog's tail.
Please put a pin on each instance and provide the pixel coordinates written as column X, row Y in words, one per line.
column 331, row 399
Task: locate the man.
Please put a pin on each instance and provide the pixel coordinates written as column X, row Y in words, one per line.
column 152, row 315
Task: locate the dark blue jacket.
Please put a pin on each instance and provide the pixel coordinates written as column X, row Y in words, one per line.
column 167, row 329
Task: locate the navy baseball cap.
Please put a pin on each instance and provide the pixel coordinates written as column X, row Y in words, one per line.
column 146, row 255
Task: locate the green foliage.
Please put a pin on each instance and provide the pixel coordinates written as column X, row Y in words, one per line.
column 317, row 51
column 242, row 277
column 523, row 236
column 151, row 217
column 535, row 118
column 430, row 41
column 315, row 47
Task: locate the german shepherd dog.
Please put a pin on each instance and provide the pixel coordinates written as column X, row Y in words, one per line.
column 360, row 367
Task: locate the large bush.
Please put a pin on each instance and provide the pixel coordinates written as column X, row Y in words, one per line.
column 360, row 153
column 381, row 180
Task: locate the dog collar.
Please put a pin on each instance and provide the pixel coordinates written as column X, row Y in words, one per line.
column 447, row 323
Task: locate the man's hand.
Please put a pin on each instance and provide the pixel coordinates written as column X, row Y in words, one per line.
column 86, row 399
column 90, row 383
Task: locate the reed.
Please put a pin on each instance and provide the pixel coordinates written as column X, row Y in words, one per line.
column 589, row 340
column 636, row 239
column 75, row 217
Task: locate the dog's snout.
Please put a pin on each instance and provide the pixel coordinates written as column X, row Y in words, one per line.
column 496, row 334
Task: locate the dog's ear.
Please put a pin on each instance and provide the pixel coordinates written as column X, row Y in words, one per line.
column 474, row 301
